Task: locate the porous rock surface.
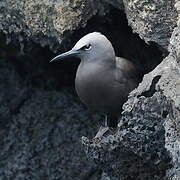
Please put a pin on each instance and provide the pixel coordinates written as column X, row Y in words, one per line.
column 49, row 23
column 46, row 22
column 152, row 20
column 40, row 131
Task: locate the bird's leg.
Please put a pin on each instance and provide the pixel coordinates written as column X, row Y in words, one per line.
column 106, row 121
column 103, row 129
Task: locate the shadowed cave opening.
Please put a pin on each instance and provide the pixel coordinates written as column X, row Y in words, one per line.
column 33, row 64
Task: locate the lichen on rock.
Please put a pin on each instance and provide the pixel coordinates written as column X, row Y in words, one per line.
column 153, row 21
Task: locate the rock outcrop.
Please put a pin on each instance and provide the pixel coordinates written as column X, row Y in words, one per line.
column 153, row 21
column 41, row 120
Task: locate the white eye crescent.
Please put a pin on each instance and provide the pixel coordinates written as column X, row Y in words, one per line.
column 86, row 47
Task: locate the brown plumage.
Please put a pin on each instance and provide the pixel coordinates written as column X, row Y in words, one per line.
column 103, row 81
column 105, row 88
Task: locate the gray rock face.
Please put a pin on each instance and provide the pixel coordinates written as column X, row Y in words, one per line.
column 175, row 44
column 41, row 126
column 48, row 23
column 153, row 21
column 40, row 132
column 45, row 22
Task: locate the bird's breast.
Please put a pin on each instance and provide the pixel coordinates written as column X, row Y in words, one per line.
column 95, row 87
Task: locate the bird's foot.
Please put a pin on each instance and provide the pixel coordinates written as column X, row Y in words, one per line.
column 104, row 130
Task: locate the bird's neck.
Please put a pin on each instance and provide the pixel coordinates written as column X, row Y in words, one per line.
column 97, row 65
column 107, row 61
column 109, row 58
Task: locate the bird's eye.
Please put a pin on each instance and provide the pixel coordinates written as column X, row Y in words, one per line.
column 86, row 47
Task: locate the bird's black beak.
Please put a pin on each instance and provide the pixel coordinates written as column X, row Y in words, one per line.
column 68, row 54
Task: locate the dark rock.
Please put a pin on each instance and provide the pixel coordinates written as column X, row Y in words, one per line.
column 50, row 23
column 153, row 21
column 40, row 132
column 41, row 122
column 44, row 22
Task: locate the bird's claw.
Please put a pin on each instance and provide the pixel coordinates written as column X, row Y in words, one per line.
column 104, row 131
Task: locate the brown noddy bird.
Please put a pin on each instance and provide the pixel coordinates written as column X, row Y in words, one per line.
column 103, row 81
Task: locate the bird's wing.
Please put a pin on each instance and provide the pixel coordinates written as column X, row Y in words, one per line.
column 126, row 72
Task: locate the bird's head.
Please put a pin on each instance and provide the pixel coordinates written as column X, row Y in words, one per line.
column 92, row 47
